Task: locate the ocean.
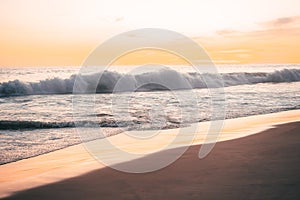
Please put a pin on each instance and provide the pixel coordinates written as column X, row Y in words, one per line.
column 37, row 109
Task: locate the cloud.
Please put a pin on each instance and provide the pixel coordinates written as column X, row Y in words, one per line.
column 274, row 41
column 272, row 26
column 282, row 22
column 226, row 32
column 118, row 19
column 278, row 26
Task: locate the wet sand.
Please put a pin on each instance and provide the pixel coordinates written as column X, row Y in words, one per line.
column 261, row 166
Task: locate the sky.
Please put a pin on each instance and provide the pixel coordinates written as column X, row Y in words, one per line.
column 64, row 32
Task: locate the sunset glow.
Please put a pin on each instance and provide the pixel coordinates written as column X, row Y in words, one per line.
column 62, row 33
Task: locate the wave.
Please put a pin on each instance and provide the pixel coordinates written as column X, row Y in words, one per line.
column 23, row 125
column 164, row 79
column 106, row 123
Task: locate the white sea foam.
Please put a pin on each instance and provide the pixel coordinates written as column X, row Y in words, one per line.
column 164, row 79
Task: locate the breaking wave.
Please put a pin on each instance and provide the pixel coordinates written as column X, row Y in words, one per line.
column 21, row 125
column 124, row 124
column 165, row 79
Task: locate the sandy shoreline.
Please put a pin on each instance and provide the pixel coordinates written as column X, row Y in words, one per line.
column 75, row 161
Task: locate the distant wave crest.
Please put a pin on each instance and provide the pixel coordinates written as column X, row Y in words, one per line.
column 173, row 79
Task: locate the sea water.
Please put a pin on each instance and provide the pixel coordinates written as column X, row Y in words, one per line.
column 37, row 109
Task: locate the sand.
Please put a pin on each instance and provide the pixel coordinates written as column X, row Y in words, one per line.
column 260, row 166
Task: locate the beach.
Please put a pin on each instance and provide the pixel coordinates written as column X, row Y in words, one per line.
column 149, row 100
column 254, row 166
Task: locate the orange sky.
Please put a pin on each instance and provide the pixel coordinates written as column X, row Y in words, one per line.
column 63, row 33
